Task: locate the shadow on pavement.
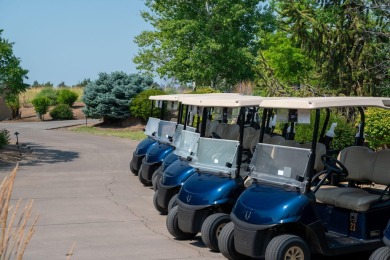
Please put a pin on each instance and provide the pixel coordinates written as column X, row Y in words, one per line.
column 36, row 155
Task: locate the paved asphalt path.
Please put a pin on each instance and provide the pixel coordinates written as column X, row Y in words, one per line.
column 84, row 193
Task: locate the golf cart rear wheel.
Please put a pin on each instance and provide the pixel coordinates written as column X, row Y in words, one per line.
column 134, row 171
column 155, row 178
column 287, row 247
column 160, row 209
column 380, row 254
column 172, row 202
column 173, row 226
column 211, row 229
column 226, row 243
column 142, row 180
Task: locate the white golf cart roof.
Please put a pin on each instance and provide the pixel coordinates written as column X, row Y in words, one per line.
column 176, row 97
column 325, row 102
column 222, row 100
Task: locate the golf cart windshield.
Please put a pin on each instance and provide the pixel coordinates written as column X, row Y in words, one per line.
column 152, row 126
column 280, row 165
column 216, row 155
column 166, row 130
column 186, row 144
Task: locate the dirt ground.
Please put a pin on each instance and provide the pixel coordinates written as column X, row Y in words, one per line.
column 28, row 113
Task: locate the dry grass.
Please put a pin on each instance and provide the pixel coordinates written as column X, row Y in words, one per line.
column 26, row 97
column 16, row 225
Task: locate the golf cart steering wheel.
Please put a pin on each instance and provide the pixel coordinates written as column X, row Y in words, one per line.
column 334, row 165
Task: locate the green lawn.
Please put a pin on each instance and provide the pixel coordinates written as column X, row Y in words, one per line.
column 132, row 135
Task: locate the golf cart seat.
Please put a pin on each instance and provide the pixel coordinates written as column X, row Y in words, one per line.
column 232, row 132
column 364, row 166
column 220, row 130
column 210, row 127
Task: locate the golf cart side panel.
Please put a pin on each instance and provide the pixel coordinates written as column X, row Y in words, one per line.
column 204, row 189
column 365, row 225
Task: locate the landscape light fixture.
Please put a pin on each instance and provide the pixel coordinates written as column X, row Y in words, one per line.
column 17, row 140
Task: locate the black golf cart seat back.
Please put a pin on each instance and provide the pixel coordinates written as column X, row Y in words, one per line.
column 364, row 166
column 232, row 132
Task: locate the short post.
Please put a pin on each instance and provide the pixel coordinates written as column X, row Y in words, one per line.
column 17, row 141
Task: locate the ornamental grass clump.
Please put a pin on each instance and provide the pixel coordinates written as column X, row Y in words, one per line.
column 17, row 228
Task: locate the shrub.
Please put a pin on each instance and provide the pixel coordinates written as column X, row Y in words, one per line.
column 14, row 104
column 61, row 112
column 4, row 137
column 66, row 96
column 378, row 128
column 344, row 132
column 50, row 93
column 41, row 105
column 140, row 105
column 109, row 96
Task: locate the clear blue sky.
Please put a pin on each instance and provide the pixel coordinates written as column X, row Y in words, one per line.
column 70, row 40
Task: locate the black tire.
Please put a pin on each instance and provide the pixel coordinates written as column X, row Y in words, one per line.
column 142, row 180
column 226, row 243
column 287, row 247
column 382, row 253
column 172, row 202
column 211, row 229
column 134, row 171
column 160, row 209
column 155, row 178
column 173, row 226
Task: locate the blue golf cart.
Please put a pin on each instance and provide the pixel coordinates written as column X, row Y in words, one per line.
column 164, row 102
column 207, row 194
column 293, row 211
column 383, row 253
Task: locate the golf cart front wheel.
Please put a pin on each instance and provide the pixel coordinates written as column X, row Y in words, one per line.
column 381, row 253
column 172, row 202
column 211, row 229
column 287, row 247
column 173, row 226
column 160, row 209
column 226, row 243
column 155, row 178
column 142, row 180
column 132, row 169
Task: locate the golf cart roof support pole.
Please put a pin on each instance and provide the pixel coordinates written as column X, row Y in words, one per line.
column 360, row 139
column 179, row 113
column 224, row 115
column 186, row 118
column 241, row 139
column 313, row 147
column 262, row 128
column 253, row 114
column 162, row 110
column 324, row 126
column 197, row 120
column 151, row 108
column 204, row 122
